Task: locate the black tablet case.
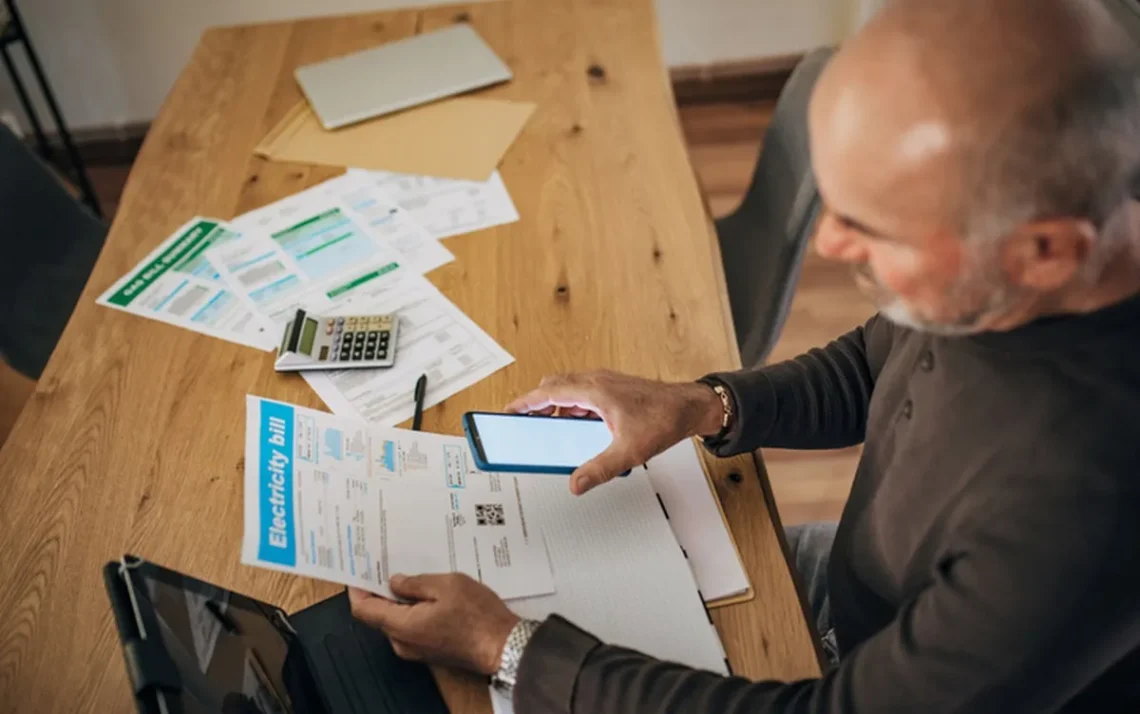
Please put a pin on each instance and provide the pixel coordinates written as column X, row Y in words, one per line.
column 343, row 666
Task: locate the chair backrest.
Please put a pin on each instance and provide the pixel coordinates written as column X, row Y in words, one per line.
column 762, row 243
column 50, row 242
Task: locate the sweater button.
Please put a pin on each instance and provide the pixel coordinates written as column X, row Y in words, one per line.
column 926, row 361
column 907, row 409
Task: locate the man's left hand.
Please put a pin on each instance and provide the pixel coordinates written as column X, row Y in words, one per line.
column 453, row 620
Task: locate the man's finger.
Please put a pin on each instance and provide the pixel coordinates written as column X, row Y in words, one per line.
column 584, row 396
column 603, row 467
column 376, row 611
column 416, row 587
column 405, row 651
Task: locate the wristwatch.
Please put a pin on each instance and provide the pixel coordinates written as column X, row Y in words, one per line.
column 505, row 679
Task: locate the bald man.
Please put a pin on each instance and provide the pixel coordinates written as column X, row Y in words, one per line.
column 978, row 162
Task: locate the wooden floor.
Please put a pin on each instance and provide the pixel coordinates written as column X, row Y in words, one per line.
column 724, row 139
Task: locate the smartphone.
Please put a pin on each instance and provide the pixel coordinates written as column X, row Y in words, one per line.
column 533, row 443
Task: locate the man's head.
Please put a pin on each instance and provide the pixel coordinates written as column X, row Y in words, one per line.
column 977, row 159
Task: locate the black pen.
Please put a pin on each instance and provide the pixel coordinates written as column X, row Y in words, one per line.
column 421, row 392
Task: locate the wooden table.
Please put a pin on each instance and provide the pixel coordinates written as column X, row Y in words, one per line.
column 133, row 440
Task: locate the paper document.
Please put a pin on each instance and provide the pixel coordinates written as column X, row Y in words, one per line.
column 461, row 138
column 619, row 573
column 351, row 503
column 448, row 207
column 325, row 260
column 381, row 217
column 696, row 519
column 178, row 285
column 436, row 339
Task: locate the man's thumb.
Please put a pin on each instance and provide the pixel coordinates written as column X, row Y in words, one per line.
column 415, row 587
column 597, row 471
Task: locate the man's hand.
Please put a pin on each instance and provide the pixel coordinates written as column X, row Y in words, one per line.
column 646, row 417
column 454, row 620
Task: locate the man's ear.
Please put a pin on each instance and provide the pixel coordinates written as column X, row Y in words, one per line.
column 1045, row 255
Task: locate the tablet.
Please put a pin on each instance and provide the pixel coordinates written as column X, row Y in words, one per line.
column 400, row 75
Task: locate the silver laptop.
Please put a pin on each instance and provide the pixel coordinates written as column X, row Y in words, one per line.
column 399, row 75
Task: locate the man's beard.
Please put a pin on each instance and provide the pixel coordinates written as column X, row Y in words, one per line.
column 970, row 322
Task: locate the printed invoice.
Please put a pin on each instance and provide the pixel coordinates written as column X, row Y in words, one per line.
column 343, row 501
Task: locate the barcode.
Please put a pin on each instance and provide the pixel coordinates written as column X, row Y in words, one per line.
column 489, row 514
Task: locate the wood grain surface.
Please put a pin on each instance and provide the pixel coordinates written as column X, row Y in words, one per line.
column 133, row 439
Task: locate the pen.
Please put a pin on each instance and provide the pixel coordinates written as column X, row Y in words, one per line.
column 421, row 391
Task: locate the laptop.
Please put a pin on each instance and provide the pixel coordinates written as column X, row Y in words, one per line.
column 192, row 647
column 399, row 75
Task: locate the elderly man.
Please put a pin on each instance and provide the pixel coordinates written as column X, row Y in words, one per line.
column 978, row 162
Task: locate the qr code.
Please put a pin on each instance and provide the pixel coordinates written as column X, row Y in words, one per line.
column 489, row 514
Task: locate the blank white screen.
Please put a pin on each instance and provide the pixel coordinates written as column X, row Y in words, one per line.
column 539, row 441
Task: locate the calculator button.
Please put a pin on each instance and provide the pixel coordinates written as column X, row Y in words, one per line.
column 357, row 355
column 360, row 337
column 373, row 336
column 370, row 353
column 344, row 355
column 339, row 321
column 382, row 353
column 384, row 340
column 347, row 337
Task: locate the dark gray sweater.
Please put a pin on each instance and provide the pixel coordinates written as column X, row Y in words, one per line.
column 988, row 559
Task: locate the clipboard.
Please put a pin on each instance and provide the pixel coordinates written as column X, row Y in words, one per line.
column 744, row 596
column 750, row 592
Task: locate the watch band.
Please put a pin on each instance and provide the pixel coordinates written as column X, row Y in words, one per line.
column 505, row 679
column 728, row 405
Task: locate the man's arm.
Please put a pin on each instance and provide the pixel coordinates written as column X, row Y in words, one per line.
column 818, row 400
column 1020, row 616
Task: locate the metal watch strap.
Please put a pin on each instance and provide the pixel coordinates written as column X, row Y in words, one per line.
column 505, row 679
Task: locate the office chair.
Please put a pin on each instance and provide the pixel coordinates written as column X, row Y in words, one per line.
column 50, row 242
column 762, row 242
column 1127, row 13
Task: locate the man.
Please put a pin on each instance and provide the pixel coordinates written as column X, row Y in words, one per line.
column 978, row 161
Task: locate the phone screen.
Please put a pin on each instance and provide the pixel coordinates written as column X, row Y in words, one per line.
column 519, row 440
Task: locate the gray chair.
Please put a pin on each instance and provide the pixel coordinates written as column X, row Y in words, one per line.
column 762, row 242
column 50, row 243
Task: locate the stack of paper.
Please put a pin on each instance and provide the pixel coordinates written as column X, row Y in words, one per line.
column 344, row 246
column 353, row 503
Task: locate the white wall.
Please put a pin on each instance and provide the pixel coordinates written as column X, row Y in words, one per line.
column 701, row 32
column 112, row 62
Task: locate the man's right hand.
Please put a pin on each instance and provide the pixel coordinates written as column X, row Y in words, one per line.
column 645, row 417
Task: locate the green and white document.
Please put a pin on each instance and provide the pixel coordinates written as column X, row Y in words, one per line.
column 178, row 285
column 317, row 251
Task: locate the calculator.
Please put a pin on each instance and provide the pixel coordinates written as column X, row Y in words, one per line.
column 337, row 342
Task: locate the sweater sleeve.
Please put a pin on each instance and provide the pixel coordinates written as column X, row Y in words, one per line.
column 818, row 400
column 1020, row 616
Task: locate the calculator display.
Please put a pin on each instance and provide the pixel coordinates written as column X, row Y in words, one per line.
column 308, row 334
